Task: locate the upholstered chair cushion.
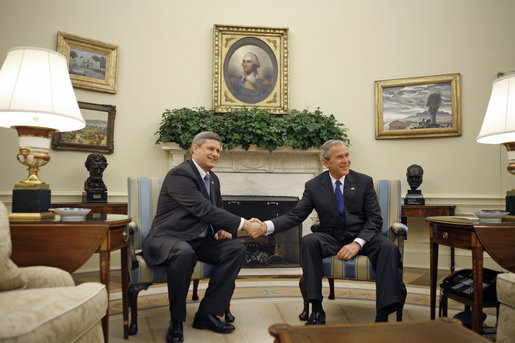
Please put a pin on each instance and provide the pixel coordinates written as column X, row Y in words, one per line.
column 146, row 274
column 506, row 296
column 10, row 276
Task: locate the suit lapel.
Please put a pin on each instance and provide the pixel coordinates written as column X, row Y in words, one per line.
column 326, row 188
column 349, row 188
column 199, row 180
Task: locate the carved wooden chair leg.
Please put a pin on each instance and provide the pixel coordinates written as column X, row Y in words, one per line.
column 133, row 304
column 399, row 314
column 305, row 312
column 331, row 288
column 229, row 318
column 195, row 290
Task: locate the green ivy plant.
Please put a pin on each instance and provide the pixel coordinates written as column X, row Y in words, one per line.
column 246, row 126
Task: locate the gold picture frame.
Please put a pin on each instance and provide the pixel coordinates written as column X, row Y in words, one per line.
column 97, row 136
column 91, row 64
column 267, row 48
column 427, row 106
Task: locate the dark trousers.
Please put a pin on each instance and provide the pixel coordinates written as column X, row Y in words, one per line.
column 382, row 252
column 227, row 256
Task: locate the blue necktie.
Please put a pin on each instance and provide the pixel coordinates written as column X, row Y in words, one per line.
column 339, row 199
column 208, row 187
column 206, row 183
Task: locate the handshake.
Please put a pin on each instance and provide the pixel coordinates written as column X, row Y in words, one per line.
column 254, row 227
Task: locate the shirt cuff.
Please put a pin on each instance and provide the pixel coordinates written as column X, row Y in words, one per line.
column 270, row 227
column 360, row 241
column 242, row 221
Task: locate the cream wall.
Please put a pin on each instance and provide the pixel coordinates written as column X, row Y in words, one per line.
column 338, row 48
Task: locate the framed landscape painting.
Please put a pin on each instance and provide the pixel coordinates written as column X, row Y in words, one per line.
column 250, row 68
column 98, row 134
column 91, row 64
column 427, row 106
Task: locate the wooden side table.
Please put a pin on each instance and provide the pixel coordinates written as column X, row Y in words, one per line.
column 425, row 211
column 461, row 233
column 68, row 245
column 97, row 207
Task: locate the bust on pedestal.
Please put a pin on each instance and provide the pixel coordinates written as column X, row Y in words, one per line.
column 414, row 176
column 94, row 188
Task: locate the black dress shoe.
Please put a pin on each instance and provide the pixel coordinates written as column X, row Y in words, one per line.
column 211, row 322
column 175, row 332
column 316, row 318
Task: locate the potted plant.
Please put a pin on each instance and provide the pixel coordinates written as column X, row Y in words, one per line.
column 251, row 126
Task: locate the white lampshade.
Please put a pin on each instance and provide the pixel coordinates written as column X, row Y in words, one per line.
column 36, row 91
column 499, row 123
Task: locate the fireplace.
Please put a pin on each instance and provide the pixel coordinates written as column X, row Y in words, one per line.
column 281, row 250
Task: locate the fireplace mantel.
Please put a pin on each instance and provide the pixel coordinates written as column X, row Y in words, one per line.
column 283, row 160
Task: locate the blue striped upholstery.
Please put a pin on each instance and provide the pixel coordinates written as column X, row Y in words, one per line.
column 360, row 268
column 142, row 205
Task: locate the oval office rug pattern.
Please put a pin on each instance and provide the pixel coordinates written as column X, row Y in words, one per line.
column 257, row 304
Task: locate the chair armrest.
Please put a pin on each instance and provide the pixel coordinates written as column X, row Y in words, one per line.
column 399, row 232
column 399, row 229
column 133, row 227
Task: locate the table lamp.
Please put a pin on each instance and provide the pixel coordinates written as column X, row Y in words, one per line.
column 37, row 99
column 499, row 125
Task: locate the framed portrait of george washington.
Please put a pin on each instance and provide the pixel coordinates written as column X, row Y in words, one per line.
column 418, row 107
column 250, row 68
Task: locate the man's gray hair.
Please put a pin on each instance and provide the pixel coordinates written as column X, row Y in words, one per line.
column 201, row 137
column 254, row 59
column 325, row 152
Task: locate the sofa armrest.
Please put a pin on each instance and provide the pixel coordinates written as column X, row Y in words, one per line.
column 44, row 277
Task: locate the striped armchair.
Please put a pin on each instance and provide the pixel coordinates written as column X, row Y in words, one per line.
column 360, row 268
column 143, row 193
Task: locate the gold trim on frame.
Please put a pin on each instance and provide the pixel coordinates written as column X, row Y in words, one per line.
column 108, row 83
column 387, row 128
column 230, row 42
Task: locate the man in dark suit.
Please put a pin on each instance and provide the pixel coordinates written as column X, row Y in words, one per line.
column 350, row 224
column 190, row 224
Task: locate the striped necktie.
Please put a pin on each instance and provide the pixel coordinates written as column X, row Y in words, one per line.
column 339, row 200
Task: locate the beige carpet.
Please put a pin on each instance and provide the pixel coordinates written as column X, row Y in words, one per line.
column 257, row 304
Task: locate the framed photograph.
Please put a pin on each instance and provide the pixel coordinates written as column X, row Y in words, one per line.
column 427, row 106
column 250, row 68
column 91, row 64
column 98, row 134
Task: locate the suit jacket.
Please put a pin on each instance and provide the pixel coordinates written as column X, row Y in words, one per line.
column 184, row 211
column 362, row 212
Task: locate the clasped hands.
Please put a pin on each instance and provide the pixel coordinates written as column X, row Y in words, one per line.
column 254, row 227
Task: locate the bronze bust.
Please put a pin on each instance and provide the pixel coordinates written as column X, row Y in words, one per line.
column 95, row 163
column 414, row 176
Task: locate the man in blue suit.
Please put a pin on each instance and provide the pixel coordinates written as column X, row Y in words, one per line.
column 350, row 224
column 190, row 224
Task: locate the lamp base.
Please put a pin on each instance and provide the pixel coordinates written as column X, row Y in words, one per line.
column 31, row 200
column 510, row 202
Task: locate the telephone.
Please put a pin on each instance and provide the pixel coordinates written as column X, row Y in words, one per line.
column 461, row 283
